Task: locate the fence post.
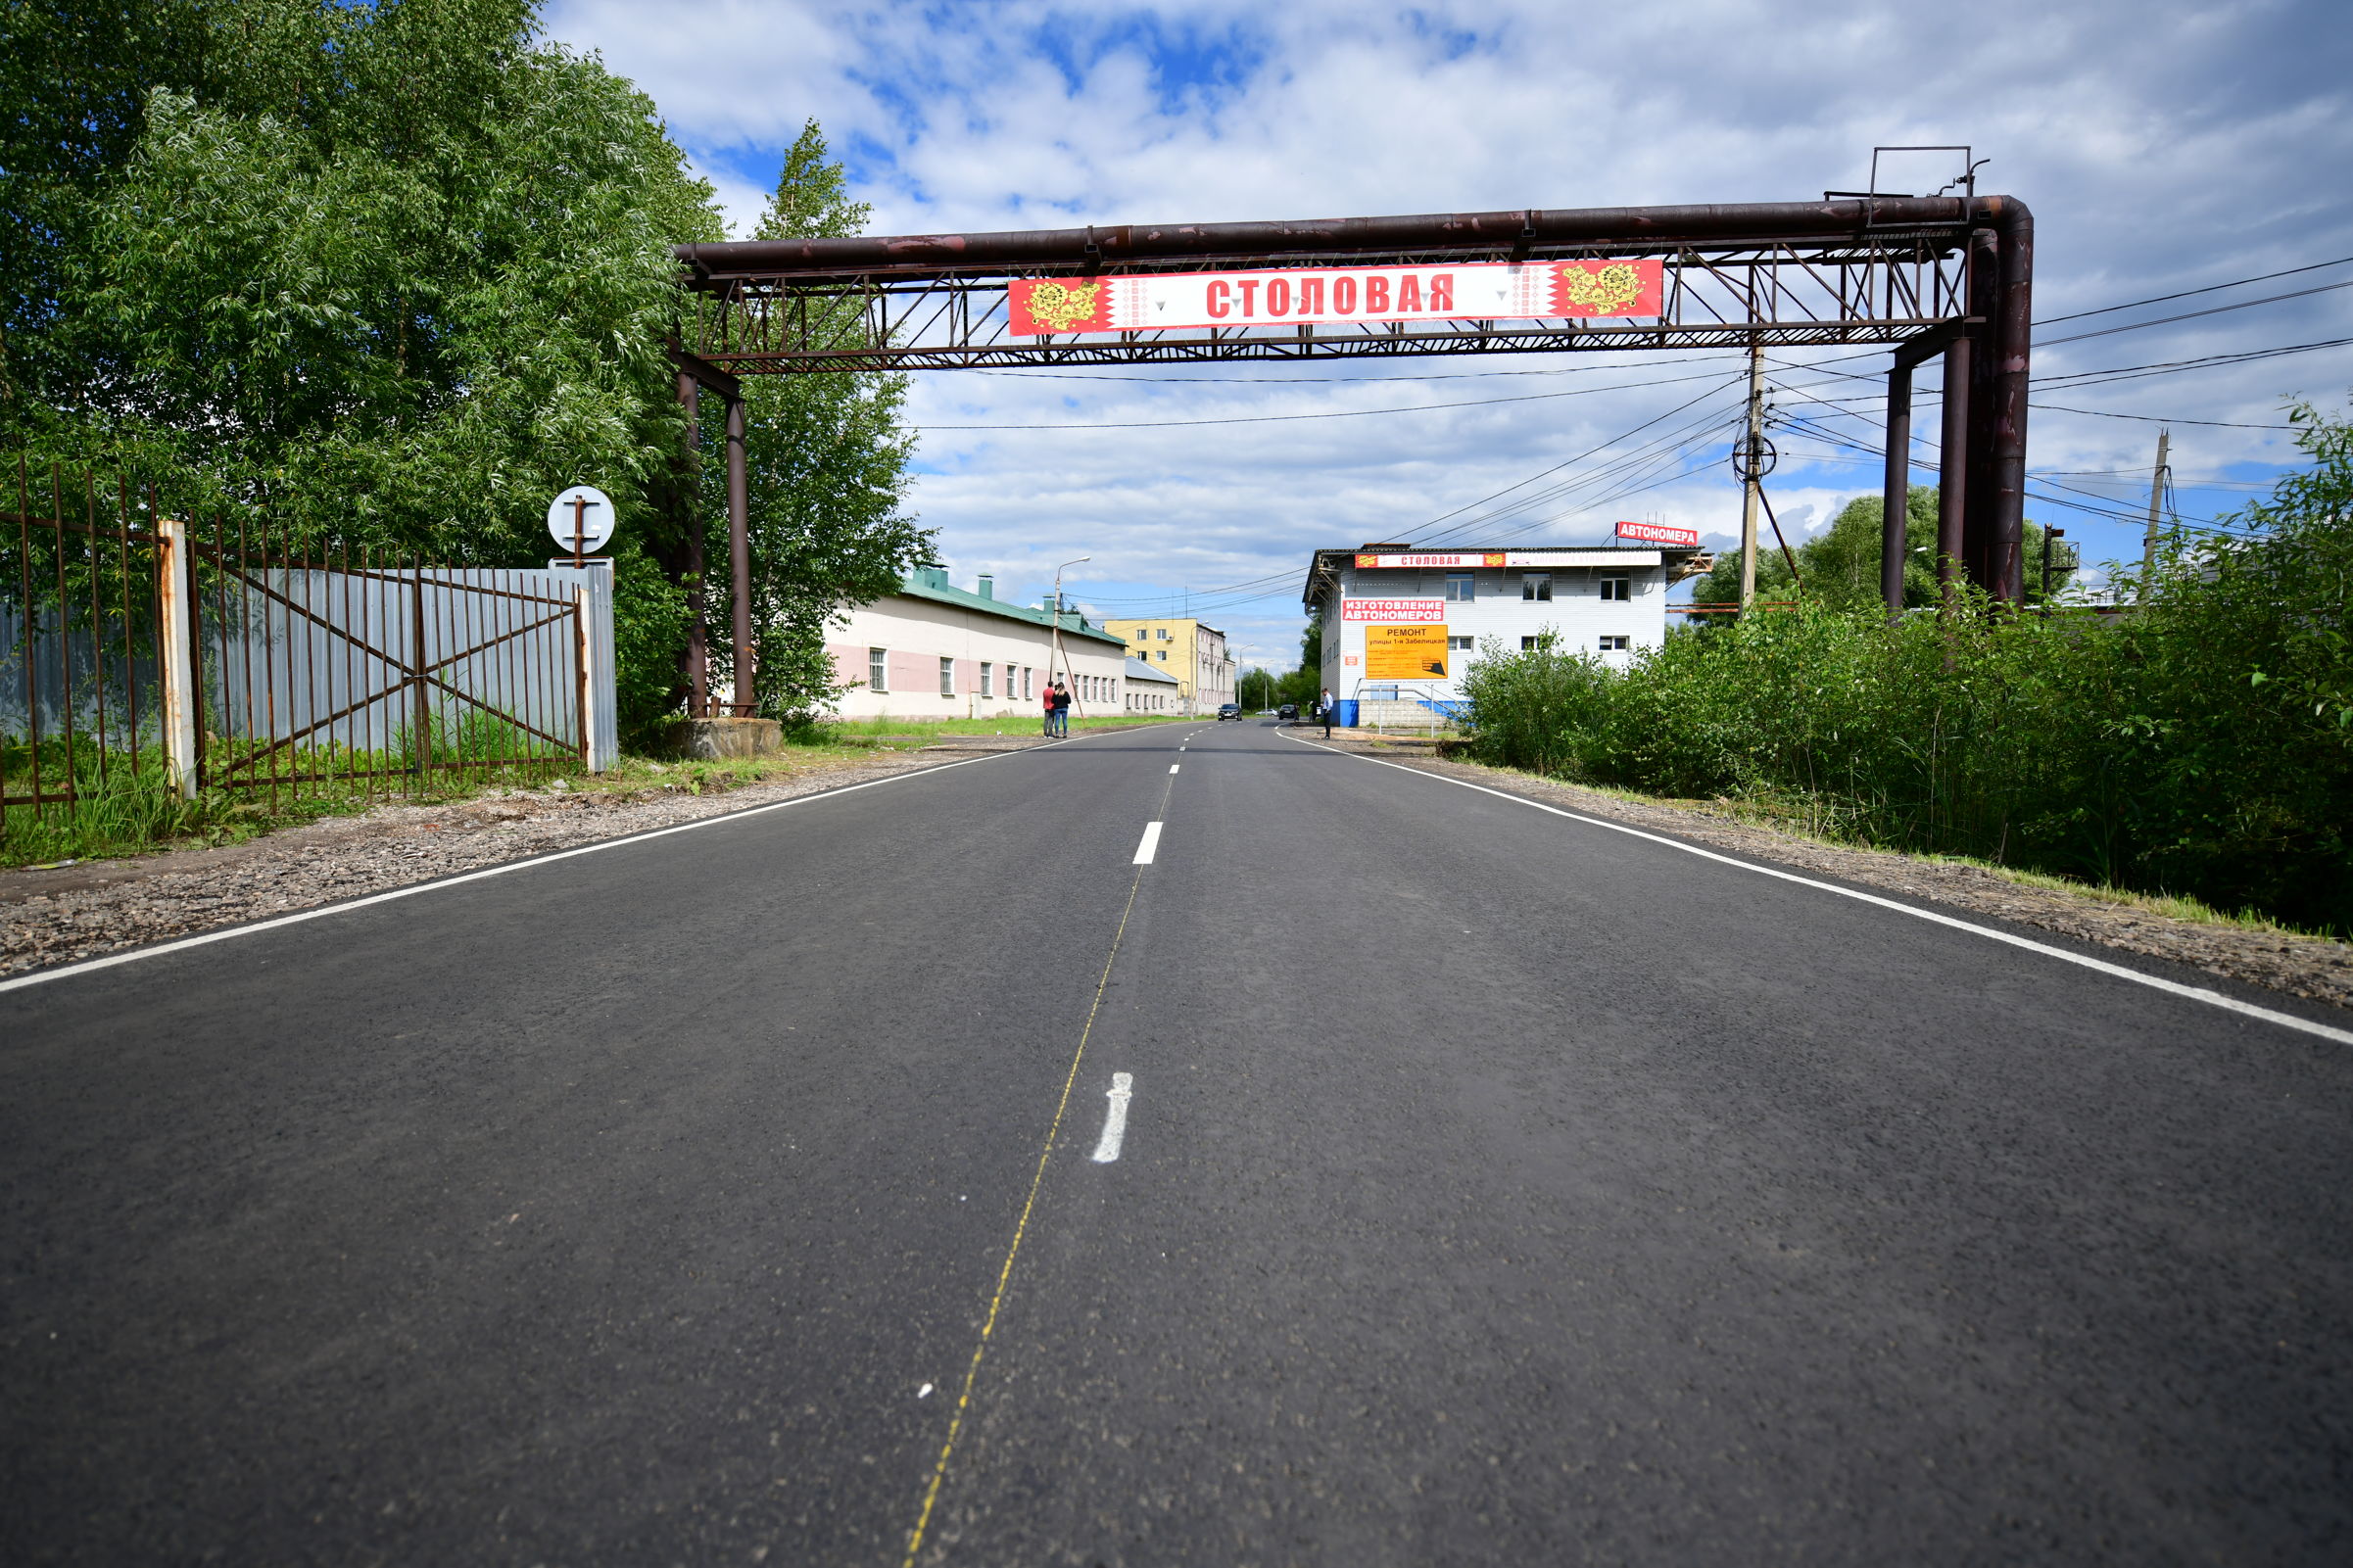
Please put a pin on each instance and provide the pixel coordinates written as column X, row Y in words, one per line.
column 183, row 700
column 420, row 715
column 580, row 663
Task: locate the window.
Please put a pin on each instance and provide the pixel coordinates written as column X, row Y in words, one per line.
column 877, row 670
column 1459, row 586
column 1162, row 654
column 1528, row 644
column 1458, row 644
column 1164, row 634
column 1536, row 585
column 1617, row 588
column 1027, row 693
column 988, row 685
column 947, row 677
column 1616, row 643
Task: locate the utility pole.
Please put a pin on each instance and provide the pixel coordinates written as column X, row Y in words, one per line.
column 1750, row 479
column 2156, row 495
column 1057, row 659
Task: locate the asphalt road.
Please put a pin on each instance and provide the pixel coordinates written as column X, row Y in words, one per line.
column 1494, row 1187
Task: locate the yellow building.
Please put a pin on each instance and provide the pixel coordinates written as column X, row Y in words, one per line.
column 1194, row 654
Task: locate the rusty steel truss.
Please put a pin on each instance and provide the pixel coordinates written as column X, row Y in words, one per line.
column 1925, row 276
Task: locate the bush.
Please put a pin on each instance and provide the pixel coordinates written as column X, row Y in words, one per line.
column 2201, row 746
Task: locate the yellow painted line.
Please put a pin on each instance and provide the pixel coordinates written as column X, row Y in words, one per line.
column 1021, row 1227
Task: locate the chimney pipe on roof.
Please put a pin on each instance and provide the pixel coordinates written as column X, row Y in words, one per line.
column 989, row 586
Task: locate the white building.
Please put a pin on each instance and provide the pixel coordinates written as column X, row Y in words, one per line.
column 1151, row 689
column 931, row 652
column 1400, row 625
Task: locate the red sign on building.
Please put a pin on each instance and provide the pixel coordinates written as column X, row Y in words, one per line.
column 1658, row 534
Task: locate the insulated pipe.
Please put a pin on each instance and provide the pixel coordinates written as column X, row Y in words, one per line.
column 1639, row 228
column 699, row 659
column 739, row 553
column 2013, row 340
column 1897, row 492
column 1952, row 468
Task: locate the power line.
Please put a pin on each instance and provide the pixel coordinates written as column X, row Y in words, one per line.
column 2191, row 315
column 2211, row 288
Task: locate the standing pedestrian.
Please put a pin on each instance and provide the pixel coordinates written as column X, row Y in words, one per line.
column 1062, row 710
column 1325, row 706
column 1048, row 697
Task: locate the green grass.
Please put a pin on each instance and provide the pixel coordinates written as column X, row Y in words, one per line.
column 131, row 814
column 120, row 810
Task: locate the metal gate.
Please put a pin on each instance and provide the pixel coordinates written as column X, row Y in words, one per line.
column 375, row 672
column 143, row 659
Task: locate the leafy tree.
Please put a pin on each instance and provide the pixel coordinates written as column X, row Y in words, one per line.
column 392, row 276
column 827, row 461
column 1841, row 564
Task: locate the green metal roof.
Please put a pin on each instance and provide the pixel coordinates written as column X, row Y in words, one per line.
column 930, row 582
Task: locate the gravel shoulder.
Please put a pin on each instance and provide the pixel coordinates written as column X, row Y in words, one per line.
column 2310, row 967
column 97, row 907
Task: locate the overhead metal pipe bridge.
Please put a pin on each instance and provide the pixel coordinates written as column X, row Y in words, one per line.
column 1949, row 275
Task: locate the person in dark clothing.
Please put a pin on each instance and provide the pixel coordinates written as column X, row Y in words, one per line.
column 1327, row 706
column 1062, row 710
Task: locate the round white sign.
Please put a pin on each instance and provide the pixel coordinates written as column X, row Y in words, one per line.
column 585, row 510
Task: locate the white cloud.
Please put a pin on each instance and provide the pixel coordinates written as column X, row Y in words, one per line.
column 2162, row 147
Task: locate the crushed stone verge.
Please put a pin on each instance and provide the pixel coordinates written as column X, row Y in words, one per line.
column 2310, row 967
column 93, row 908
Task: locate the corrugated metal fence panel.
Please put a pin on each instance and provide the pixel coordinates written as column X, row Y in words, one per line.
column 604, row 670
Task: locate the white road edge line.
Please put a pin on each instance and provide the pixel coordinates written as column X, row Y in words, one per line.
column 2196, row 993
column 203, row 938
column 1115, row 1119
column 1149, row 848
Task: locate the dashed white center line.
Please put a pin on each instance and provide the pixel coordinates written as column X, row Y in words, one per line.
column 1150, row 846
column 1173, row 767
column 1115, row 1119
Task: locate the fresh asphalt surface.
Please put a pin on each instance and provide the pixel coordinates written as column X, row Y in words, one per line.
column 1495, row 1188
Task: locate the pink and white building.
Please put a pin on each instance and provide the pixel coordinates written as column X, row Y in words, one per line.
column 933, row 652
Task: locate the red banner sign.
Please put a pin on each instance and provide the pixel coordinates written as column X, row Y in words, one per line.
column 1393, row 610
column 1479, row 291
column 1658, row 534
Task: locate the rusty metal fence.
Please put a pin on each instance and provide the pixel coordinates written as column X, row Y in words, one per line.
column 80, row 680
column 146, row 659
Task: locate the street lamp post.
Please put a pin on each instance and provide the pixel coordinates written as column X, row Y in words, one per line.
column 1056, row 612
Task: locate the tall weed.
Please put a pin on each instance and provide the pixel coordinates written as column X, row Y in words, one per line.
column 2203, row 746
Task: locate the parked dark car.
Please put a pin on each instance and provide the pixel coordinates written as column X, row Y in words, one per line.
column 1230, row 710
column 1288, row 712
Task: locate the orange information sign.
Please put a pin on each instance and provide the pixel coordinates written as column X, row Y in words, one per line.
column 1405, row 652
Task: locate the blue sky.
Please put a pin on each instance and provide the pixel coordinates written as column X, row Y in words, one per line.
column 2162, row 147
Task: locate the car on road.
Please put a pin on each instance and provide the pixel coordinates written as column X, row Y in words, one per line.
column 1288, row 712
column 1229, row 710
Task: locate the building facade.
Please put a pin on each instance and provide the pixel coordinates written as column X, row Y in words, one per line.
column 1400, row 625
column 933, row 651
column 1151, row 689
column 1194, row 654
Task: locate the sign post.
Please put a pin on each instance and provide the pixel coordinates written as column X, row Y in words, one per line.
column 582, row 520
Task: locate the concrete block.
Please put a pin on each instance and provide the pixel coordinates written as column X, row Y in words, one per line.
column 713, row 739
